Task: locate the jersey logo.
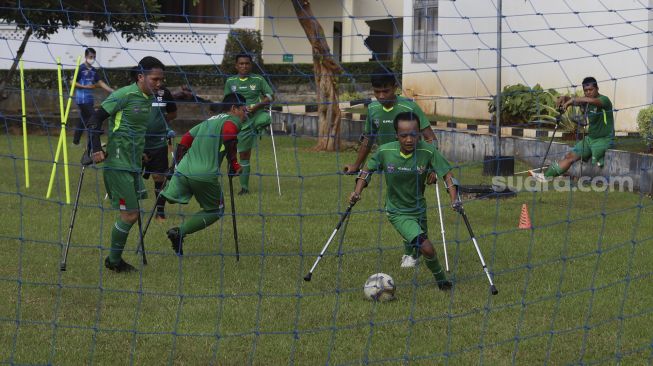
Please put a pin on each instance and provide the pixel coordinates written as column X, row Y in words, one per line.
column 234, row 88
column 390, row 168
column 421, row 169
column 252, row 86
column 376, row 122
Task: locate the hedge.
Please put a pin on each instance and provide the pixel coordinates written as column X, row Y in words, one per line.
column 208, row 75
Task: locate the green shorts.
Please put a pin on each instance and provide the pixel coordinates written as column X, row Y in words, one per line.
column 124, row 188
column 409, row 226
column 180, row 189
column 248, row 135
column 594, row 148
column 246, row 140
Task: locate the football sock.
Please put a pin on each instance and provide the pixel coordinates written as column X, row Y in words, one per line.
column 199, row 221
column 119, row 234
column 436, row 268
column 554, row 170
column 161, row 201
column 244, row 174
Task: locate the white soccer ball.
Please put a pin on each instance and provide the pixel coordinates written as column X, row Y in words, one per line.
column 380, row 287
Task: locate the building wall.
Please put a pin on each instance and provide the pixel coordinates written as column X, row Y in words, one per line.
column 621, row 66
column 174, row 44
column 282, row 33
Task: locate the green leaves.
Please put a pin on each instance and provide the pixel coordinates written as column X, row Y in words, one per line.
column 521, row 104
column 645, row 124
column 133, row 19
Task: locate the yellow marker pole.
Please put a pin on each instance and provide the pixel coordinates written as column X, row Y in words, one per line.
column 61, row 144
column 61, row 113
column 22, row 103
column 64, row 121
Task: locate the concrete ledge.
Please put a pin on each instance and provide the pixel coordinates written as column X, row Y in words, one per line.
column 465, row 146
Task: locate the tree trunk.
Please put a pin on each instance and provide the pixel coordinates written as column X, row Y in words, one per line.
column 12, row 70
column 325, row 69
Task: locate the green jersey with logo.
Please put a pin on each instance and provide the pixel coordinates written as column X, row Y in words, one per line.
column 253, row 88
column 405, row 175
column 203, row 159
column 380, row 120
column 601, row 120
column 130, row 111
column 157, row 128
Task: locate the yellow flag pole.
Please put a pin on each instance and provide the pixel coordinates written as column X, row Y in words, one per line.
column 63, row 133
column 61, row 144
column 22, row 103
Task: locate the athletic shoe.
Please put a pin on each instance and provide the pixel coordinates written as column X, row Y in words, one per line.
column 121, row 266
column 243, row 191
column 538, row 176
column 445, row 285
column 407, row 261
column 176, row 240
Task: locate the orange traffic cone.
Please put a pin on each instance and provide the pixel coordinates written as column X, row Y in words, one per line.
column 524, row 219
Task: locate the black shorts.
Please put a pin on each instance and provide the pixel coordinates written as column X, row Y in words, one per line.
column 158, row 161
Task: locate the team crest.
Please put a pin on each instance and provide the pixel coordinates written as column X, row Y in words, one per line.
column 421, row 169
column 252, row 86
column 376, row 122
column 234, row 88
column 390, row 168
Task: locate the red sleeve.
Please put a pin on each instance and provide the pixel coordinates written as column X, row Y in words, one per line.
column 229, row 131
column 187, row 140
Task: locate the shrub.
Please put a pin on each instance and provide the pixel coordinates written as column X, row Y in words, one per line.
column 398, row 60
column 521, row 104
column 645, row 124
column 242, row 41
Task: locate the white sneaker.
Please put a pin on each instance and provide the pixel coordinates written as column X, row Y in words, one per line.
column 407, row 261
column 538, row 176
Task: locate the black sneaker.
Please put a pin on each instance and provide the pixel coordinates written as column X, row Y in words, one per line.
column 121, row 266
column 445, row 285
column 176, row 240
column 243, row 191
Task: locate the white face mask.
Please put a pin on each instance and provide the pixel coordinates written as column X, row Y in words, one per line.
column 90, row 61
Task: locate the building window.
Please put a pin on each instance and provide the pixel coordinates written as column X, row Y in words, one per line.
column 188, row 11
column 425, row 31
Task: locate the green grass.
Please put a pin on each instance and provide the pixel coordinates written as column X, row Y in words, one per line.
column 572, row 290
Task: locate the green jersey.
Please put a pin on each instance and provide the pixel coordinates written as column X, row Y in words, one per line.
column 130, row 111
column 601, row 120
column 380, row 120
column 203, row 159
column 157, row 128
column 253, row 88
column 405, row 175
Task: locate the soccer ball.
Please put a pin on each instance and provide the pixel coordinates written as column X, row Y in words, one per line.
column 379, row 287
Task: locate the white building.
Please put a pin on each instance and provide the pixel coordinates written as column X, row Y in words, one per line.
column 198, row 38
column 450, row 51
column 354, row 30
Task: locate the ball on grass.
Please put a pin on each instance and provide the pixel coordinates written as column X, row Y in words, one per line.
column 379, row 287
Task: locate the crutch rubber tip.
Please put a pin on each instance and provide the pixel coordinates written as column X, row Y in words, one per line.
column 62, row 267
column 494, row 290
column 307, row 278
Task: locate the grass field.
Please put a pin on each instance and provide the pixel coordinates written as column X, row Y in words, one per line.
column 571, row 291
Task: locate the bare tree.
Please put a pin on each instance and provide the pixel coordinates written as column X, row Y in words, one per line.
column 326, row 70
